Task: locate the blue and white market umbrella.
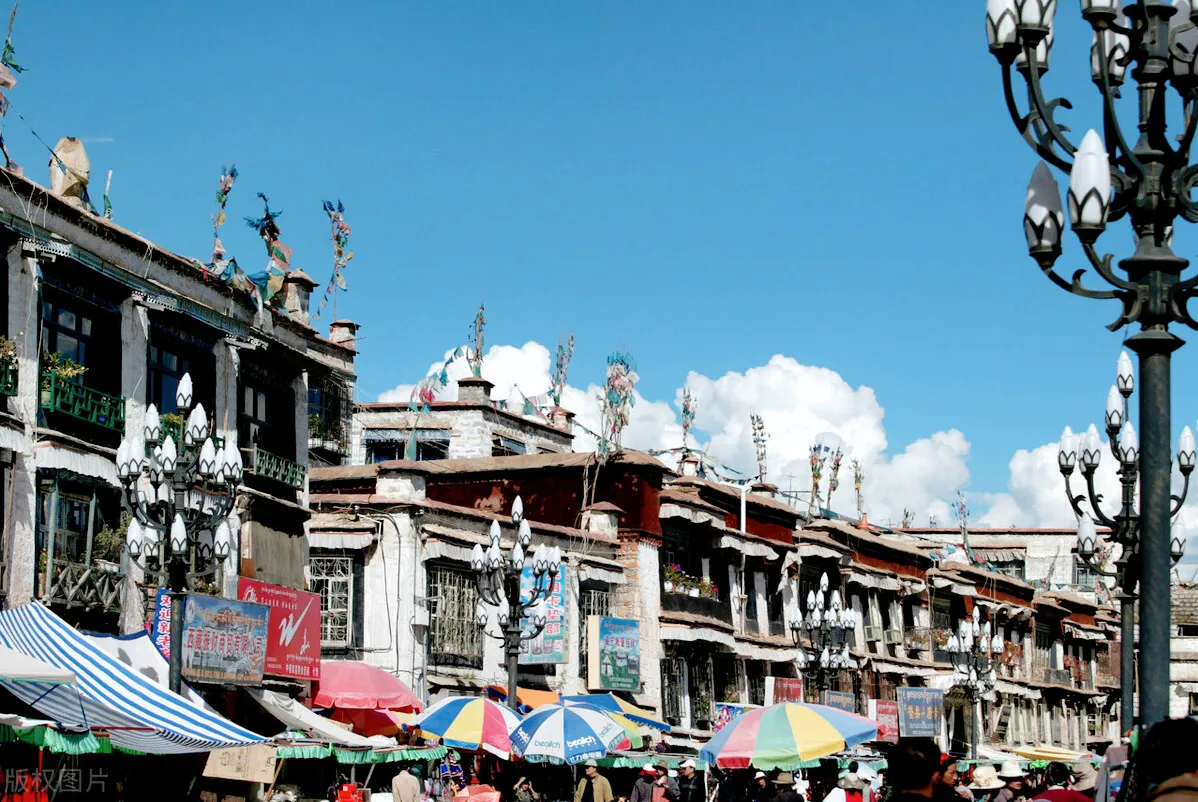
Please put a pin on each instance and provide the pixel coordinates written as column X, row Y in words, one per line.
column 567, row 734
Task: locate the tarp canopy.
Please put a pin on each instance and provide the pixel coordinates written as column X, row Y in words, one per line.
column 141, row 655
column 297, row 717
column 108, row 694
column 17, row 667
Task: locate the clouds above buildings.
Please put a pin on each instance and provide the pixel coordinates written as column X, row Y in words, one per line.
column 798, row 404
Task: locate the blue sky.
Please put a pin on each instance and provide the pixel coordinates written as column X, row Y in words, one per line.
column 703, row 186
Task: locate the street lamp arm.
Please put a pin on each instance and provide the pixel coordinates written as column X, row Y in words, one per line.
column 1102, row 266
column 1180, row 499
column 1095, row 500
column 1110, row 120
column 1044, row 110
column 1023, row 124
column 1191, row 125
column 1184, row 185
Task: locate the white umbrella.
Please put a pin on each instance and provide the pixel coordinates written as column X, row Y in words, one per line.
column 570, row 734
column 17, row 667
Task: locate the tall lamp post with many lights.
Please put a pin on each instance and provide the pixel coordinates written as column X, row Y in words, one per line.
column 179, row 496
column 971, row 651
column 1084, row 451
column 1154, row 44
column 822, row 635
column 499, row 581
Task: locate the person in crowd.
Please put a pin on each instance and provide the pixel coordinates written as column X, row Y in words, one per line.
column 1057, row 779
column 986, row 783
column 852, row 785
column 642, row 789
column 524, row 791
column 690, row 786
column 665, row 788
column 405, row 787
column 762, row 790
column 1166, row 764
column 1085, row 779
column 951, row 787
column 914, row 770
column 593, row 787
column 1010, row 773
column 786, row 792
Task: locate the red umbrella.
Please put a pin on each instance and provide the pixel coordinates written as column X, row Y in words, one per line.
column 358, row 686
column 372, row 722
column 476, row 793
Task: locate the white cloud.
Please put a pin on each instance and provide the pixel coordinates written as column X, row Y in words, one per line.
column 798, row 403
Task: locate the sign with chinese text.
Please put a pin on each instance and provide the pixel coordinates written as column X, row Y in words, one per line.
column 920, row 711
column 550, row 645
column 726, row 711
column 841, row 700
column 160, row 624
column 887, row 716
column 613, row 654
column 224, row 640
column 783, row 689
column 254, row 764
column 293, row 645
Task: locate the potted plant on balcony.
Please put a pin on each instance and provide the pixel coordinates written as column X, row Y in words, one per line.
column 56, row 366
column 674, row 580
column 941, row 636
column 708, row 589
column 107, row 546
column 1012, row 655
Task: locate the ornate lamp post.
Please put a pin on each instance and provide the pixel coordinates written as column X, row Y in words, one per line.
column 499, row 585
column 970, row 651
column 822, row 635
column 1085, row 451
column 179, row 497
column 1150, row 183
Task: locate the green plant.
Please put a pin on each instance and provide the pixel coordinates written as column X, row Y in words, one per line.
column 172, row 418
column 108, row 543
column 941, row 636
column 8, row 350
column 55, row 364
column 200, row 585
column 708, row 589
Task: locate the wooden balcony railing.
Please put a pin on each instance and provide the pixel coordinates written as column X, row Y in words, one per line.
column 8, row 377
column 95, row 586
column 69, row 398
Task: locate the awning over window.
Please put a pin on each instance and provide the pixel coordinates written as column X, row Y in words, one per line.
column 401, row 435
column 340, row 540
column 108, row 694
column 748, row 548
column 58, row 457
column 1000, row 555
column 873, row 581
column 11, row 439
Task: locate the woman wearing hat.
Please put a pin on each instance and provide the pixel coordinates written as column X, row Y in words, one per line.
column 762, row 789
column 642, row 789
column 1013, row 777
column 786, row 792
column 986, row 783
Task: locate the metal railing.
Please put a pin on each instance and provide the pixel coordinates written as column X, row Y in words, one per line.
column 69, row 398
column 280, row 469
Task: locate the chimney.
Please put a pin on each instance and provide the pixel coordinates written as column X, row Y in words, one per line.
column 863, row 524
column 562, row 419
column 344, row 332
column 689, row 464
column 764, row 489
column 474, row 390
column 602, row 520
column 297, row 294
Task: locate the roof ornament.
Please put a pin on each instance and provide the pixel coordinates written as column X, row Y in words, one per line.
column 616, row 403
column 565, row 353
column 759, row 444
column 474, row 357
column 341, row 256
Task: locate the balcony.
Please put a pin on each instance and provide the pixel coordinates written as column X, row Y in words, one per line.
column 96, row 586
column 717, row 609
column 173, row 425
column 1053, row 676
column 8, row 377
column 917, row 640
column 83, row 403
column 279, row 469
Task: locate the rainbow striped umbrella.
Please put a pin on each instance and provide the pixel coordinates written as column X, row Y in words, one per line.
column 782, row 736
column 470, row 722
column 614, row 704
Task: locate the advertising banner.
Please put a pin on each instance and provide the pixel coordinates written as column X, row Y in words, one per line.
column 783, row 689
column 160, row 624
column 920, row 712
column 887, row 716
column 224, row 640
column 613, row 654
column 841, row 700
column 293, row 645
column 726, row 711
column 550, row 645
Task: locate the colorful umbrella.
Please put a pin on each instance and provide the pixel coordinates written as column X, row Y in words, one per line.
column 567, row 734
column 528, row 699
column 470, row 722
column 614, row 704
column 781, row 736
column 477, row 793
column 371, row 722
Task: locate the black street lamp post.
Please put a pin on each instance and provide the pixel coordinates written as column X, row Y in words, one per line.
column 822, row 635
column 970, row 651
column 1149, row 182
column 520, row 615
column 1084, row 451
column 179, row 497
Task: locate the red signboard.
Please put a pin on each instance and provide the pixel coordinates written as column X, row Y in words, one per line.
column 887, row 716
column 293, row 648
column 783, row 689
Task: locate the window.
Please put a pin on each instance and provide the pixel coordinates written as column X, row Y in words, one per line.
column 267, row 415
column 65, row 331
column 173, row 353
column 1045, row 655
column 329, row 412
column 383, row 445
column 454, row 638
column 333, row 579
column 506, row 447
column 1187, row 630
column 1084, row 576
column 755, row 679
column 702, row 691
column 1193, row 704
column 594, row 599
column 673, row 689
column 942, row 621
column 1013, row 568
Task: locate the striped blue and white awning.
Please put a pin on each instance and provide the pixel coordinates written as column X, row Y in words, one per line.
column 108, row 694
